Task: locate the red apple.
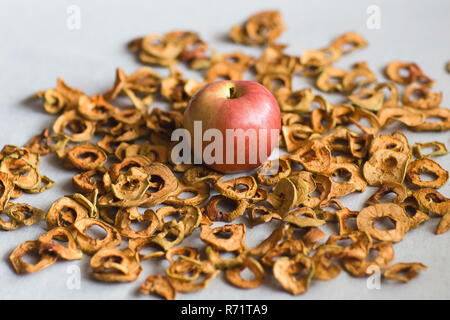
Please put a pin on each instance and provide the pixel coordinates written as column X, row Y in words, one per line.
column 228, row 106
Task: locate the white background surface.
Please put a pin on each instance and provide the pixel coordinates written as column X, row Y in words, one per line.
column 37, row 47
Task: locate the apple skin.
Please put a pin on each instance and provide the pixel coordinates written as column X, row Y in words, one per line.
column 231, row 104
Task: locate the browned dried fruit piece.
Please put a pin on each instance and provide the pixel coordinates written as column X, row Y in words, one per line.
column 426, row 165
column 114, row 265
column 361, row 268
column 6, row 188
column 366, row 219
column 261, row 214
column 238, row 188
column 439, row 149
column 261, row 28
column 234, row 233
column 272, row 171
column 90, row 244
column 416, row 216
column 85, row 156
column 233, row 275
column 74, row 127
column 430, row 200
column 39, row 143
column 324, row 268
column 24, row 214
column 201, row 173
column 190, row 216
column 125, row 216
column 443, row 114
column 427, row 100
column 407, row 115
column 398, row 270
column 349, row 42
column 171, row 234
column 207, row 273
column 286, row 269
column 389, row 187
column 64, row 212
column 197, row 193
column 214, row 256
column 283, row 197
column 347, row 179
column 215, row 214
column 314, row 155
column 414, row 72
column 330, row 73
column 444, row 224
column 160, row 285
column 90, row 180
column 385, row 165
column 48, row 245
column 361, row 243
column 45, row 259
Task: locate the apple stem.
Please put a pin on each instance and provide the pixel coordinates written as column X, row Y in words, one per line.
column 232, row 93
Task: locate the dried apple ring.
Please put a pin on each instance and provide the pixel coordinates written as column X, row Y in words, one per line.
column 223, row 70
column 398, row 270
column 200, row 191
column 361, row 267
column 235, row 236
column 24, row 213
column 426, row 165
column 85, row 156
column 48, row 245
column 304, row 218
column 213, row 255
column 287, row 248
column 367, row 216
column 215, row 214
column 90, row 244
column 323, row 80
column 39, row 143
column 407, row 115
column 131, row 185
column 86, row 182
column 138, row 244
column 360, row 245
column 342, row 215
column 294, row 135
column 115, row 265
column 349, row 42
column 324, row 268
column 159, row 284
column 6, row 188
column 427, row 99
column 414, row 72
column 285, row 270
column 261, row 214
column 416, row 216
column 261, row 28
column 238, row 188
column 201, row 173
column 443, row 114
column 399, row 189
column 348, row 179
column 22, row 249
column 392, row 101
column 362, row 74
column 284, row 196
column 295, row 101
column 207, row 273
column 384, row 166
column 444, row 224
column 314, row 155
column 276, row 82
column 396, row 141
column 125, row 216
column 171, row 234
column 79, row 128
column 439, row 149
column 189, row 252
column 95, row 108
column 191, row 216
column 430, row 200
column 64, row 212
column 233, row 275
